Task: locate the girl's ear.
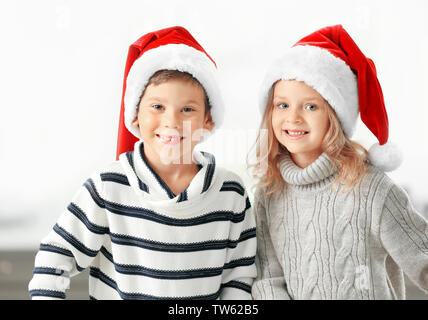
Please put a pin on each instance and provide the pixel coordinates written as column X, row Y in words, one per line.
column 208, row 122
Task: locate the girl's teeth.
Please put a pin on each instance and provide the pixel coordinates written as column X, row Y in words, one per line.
column 295, row 133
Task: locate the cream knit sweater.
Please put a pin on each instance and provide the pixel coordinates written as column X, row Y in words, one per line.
column 317, row 242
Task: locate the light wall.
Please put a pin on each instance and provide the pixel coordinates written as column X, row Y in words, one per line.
column 61, row 76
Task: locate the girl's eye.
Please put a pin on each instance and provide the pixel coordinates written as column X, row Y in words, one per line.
column 157, row 106
column 282, row 105
column 311, row 107
column 187, row 109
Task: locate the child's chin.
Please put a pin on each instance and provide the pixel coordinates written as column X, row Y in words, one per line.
column 175, row 156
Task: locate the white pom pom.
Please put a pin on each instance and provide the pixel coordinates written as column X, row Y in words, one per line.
column 387, row 157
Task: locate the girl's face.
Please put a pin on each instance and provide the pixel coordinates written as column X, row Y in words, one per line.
column 299, row 120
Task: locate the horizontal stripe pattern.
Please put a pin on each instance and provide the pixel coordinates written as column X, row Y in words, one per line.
column 115, row 177
column 238, row 285
column 74, row 241
column 47, row 293
column 74, row 209
column 98, row 274
column 135, row 250
column 152, row 215
column 233, row 186
column 181, row 247
column 52, row 271
column 61, row 251
column 52, row 248
column 175, row 274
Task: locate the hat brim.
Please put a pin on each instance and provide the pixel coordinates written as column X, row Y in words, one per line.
column 330, row 76
column 179, row 57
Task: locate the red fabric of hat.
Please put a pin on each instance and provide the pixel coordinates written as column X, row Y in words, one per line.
column 337, row 41
column 150, row 41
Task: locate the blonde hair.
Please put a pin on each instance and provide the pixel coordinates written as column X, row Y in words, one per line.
column 348, row 156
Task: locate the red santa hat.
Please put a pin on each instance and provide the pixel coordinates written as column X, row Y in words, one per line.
column 167, row 49
column 330, row 62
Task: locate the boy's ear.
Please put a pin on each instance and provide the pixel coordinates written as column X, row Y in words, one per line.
column 208, row 122
column 136, row 122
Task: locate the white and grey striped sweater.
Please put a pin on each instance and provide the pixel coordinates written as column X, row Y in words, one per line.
column 141, row 241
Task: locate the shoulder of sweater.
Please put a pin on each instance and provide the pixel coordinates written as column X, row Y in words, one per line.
column 379, row 176
column 385, row 185
column 228, row 175
column 261, row 196
column 109, row 167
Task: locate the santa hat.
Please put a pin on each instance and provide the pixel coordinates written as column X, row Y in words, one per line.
column 167, row 49
column 330, row 62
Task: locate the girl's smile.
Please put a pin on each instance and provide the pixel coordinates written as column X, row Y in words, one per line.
column 295, row 134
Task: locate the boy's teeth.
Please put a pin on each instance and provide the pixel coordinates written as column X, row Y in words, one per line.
column 163, row 138
column 169, row 138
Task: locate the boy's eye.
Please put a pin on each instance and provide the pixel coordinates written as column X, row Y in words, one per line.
column 282, row 105
column 311, row 107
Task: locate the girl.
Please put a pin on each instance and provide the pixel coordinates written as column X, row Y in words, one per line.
column 330, row 223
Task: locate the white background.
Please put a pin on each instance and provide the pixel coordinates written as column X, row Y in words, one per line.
column 61, row 76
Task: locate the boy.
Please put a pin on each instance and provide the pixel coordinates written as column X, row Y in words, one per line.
column 162, row 222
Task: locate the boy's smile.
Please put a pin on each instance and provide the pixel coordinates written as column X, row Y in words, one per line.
column 169, row 137
column 170, row 118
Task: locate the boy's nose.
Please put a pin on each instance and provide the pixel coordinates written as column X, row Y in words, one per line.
column 171, row 120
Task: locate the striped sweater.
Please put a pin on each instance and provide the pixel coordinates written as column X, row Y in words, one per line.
column 317, row 242
column 141, row 241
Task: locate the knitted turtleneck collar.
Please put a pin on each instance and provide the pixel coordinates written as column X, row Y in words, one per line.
column 318, row 174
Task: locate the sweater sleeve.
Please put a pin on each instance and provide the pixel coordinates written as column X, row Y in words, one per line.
column 404, row 234
column 270, row 283
column 239, row 270
column 72, row 244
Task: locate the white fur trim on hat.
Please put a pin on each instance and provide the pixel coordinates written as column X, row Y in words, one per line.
column 386, row 157
column 330, row 76
column 179, row 57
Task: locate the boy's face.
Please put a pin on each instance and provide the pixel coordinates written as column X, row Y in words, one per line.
column 170, row 118
column 299, row 118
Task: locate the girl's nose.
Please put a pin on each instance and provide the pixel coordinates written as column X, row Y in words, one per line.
column 293, row 115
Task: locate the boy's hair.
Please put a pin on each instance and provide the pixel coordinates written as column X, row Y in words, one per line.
column 349, row 156
column 162, row 76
